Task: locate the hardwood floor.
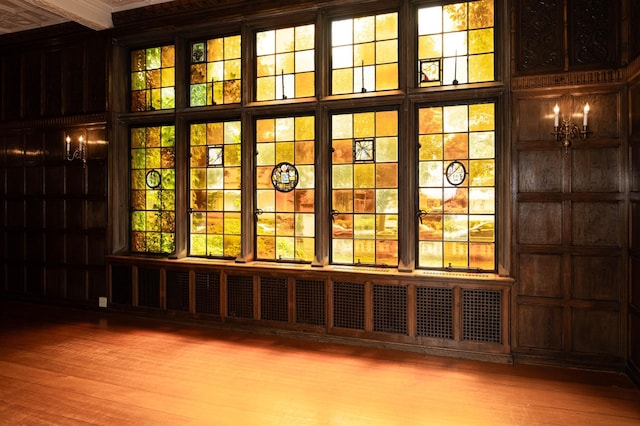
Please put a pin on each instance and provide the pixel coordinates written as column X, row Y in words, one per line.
column 61, row 366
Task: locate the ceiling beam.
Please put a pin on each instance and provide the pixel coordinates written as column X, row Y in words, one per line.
column 90, row 13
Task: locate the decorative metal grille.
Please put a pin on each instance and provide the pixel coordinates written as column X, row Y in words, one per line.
column 348, row 305
column 434, row 313
column 121, row 285
column 390, row 309
column 481, row 315
column 208, row 293
column 240, row 296
column 274, row 301
column 149, row 287
column 178, row 290
column 310, row 302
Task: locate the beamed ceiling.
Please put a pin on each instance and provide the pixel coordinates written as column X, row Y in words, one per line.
column 22, row 15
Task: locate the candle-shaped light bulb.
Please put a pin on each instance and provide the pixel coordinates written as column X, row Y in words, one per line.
column 81, row 144
column 585, row 120
column 556, row 112
column 68, row 144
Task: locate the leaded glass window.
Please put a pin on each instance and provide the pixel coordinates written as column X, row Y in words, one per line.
column 215, row 73
column 364, row 53
column 364, row 188
column 153, row 189
column 285, row 216
column 285, row 65
column 153, row 78
column 215, row 189
column 456, row 43
column 456, row 184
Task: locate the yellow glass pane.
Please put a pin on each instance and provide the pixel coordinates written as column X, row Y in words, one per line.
column 198, row 156
column 430, row 147
column 285, row 201
column 387, row 77
column 232, row 201
column 266, row 88
column 481, row 14
column 198, row 73
column 342, row 32
column 342, row 176
column 215, row 178
column 430, row 46
column 342, row 250
column 305, row 85
column 364, row 201
column 430, row 173
column 215, row 49
column 232, row 47
column 215, row 73
column 364, row 226
column 265, row 130
column 285, row 63
column 364, row 29
column 387, row 175
column 387, row 200
column 364, row 176
column 305, row 37
column 305, row 248
column 232, row 69
column 430, row 254
column 364, row 251
column 342, row 57
column 232, row 132
column 266, row 154
column 386, row 149
column 284, row 224
column 232, row 223
column 305, row 61
column 386, row 123
column 342, row 126
column 304, row 130
column 454, row 17
column 304, row 199
column 342, row 201
column 266, row 43
column 430, row 200
column 138, row 179
column 266, row 66
column 386, row 51
column 481, row 41
column 481, row 117
column 364, row 124
column 430, row 120
column 481, row 68
column 232, row 155
column 285, row 152
column 138, row 60
column 168, row 56
column 285, row 38
column 285, row 129
column 387, row 26
column 454, row 44
column 456, row 119
column 304, row 153
column 265, row 247
column 456, row 146
column 266, row 200
column 232, row 178
column 482, row 201
column 482, row 256
column 456, row 255
column 482, row 145
column 342, row 151
column 168, row 77
column 364, row 53
column 482, row 172
column 215, row 200
column 342, row 81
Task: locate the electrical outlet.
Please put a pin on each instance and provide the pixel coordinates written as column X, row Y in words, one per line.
column 102, row 302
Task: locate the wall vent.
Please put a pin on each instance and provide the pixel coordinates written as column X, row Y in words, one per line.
column 434, row 312
column 481, row 319
column 274, row 301
column 178, row 290
column 208, row 293
column 310, row 302
column 390, row 309
column 348, row 305
column 240, row 296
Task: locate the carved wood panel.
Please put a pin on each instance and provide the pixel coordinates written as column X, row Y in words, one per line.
column 593, row 30
column 540, row 34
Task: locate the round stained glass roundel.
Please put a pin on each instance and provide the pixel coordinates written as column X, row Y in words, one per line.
column 284, row 177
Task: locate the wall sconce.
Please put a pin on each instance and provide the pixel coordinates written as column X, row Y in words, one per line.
column 80, row 153
column 566, row 131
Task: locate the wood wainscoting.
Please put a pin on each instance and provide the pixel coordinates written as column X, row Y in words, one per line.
column 456, row 314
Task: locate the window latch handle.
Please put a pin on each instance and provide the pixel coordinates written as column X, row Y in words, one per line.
column 334, row 213
column 420, row 214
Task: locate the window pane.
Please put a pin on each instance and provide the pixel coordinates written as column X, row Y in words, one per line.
column 215, row 189
column 285, row 194
column 365, row 54
column 456, row 187
column 215, row 71
column 153, row 190
column 456, row 43
column 152, row 78
column 364, row 183
column 285, row 63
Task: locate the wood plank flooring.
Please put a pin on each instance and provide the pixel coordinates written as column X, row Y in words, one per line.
column 62, row 366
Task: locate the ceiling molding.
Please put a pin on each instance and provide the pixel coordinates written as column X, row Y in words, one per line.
column 90, row 13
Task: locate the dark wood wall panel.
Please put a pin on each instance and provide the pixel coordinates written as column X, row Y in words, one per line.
column 570, row 226
column 634, row 235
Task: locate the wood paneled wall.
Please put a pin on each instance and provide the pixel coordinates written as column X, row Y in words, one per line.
column 54, row 212
column 634, row 212
column 570, row 228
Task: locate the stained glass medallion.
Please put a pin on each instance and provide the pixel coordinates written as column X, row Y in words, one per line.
column 215, row 156
column 284, row 177
column 363, row 149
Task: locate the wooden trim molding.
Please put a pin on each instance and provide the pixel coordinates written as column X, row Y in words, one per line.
column 560, row 80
